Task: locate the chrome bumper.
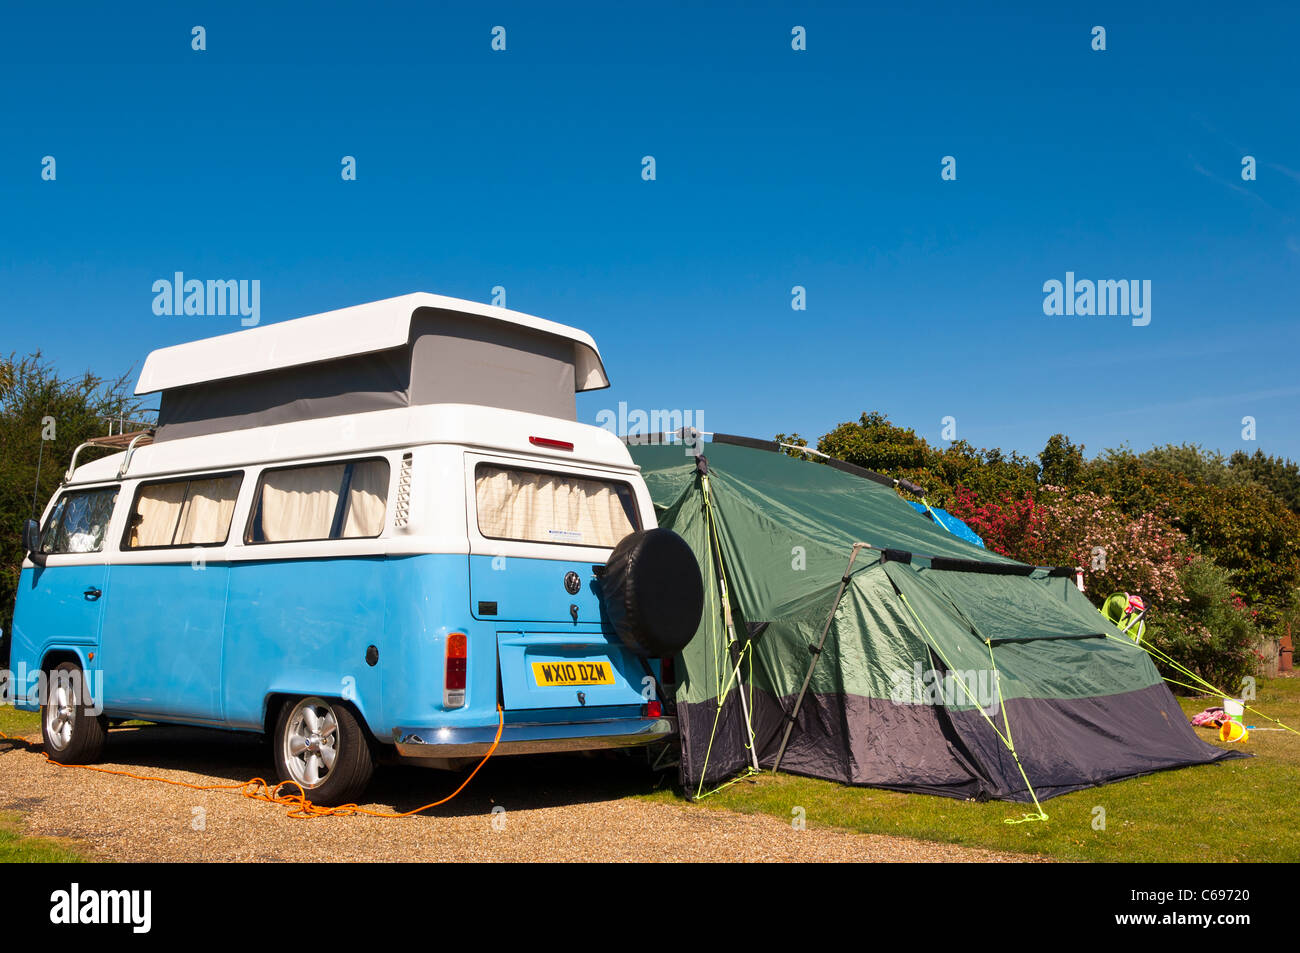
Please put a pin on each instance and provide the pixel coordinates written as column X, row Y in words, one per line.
column 532, row 738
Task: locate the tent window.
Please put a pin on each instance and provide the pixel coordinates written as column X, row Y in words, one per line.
column 324, row 501
column 78, row 522
column 195, row 511
column 539, row 507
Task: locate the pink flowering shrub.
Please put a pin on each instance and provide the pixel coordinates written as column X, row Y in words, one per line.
column 1117, row 553
column 1010, row 527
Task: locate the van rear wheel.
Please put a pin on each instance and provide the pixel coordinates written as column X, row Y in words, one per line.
column 320, row 745
column 72, row 733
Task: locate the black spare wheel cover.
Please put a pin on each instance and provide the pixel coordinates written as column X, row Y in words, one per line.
column 652, row 592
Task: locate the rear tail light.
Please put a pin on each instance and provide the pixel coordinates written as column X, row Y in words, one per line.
column 453, row 679
column 653, row 709
column 550, row 442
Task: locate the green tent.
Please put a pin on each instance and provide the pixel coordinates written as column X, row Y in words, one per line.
column 866, row 645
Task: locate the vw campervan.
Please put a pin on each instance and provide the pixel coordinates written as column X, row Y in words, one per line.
column 376, row 529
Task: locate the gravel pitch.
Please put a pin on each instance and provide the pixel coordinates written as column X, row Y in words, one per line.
column 556, row 808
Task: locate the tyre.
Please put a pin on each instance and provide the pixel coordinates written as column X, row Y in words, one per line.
column 71, row 732
column 652, row 592
column 319, row 744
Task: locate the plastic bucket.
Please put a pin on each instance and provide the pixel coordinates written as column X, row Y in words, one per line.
column 1233, row 731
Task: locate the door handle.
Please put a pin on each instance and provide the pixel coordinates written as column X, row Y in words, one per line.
column 92, row 594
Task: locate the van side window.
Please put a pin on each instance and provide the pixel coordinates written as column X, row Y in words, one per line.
column 537, row 507
column 78, row 521
column 321, row 501
column 195, row 511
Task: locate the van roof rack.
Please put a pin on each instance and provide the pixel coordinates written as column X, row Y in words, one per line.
column 127, row 441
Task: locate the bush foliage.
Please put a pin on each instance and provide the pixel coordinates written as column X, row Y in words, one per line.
column 1213, row 633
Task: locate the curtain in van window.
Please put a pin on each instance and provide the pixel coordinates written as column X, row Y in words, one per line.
column 300, row 503
column 206, row 512
column 549, row 508
column 367, row 494
column 156, row 510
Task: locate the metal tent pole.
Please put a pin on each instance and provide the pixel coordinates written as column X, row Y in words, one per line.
column 730, row 621
column 816, row 653
column 740, row 679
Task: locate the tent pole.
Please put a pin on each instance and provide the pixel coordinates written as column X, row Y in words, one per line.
column 726, row 612
column 821, row 643
column 740, row 687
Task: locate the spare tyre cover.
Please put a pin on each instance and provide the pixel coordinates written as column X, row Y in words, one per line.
column 652, row 592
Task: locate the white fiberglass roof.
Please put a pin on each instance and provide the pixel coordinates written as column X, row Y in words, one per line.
column 361, row 329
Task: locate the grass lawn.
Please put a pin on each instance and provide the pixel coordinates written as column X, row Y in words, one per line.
column 1242, row 810
column 18, row 723
column 15, row 723
column 18, row 849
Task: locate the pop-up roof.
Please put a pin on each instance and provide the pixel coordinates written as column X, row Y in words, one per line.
column 415, row 349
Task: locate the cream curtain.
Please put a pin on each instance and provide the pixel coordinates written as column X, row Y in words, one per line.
column 367, row 494
column 300, row 503
column 184, row 513
column 205, row 515
column 156, row 510
column 549, row 508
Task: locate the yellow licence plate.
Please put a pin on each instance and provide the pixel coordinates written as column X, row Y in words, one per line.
column 573, row 673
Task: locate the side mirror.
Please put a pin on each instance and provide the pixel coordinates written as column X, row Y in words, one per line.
column 32, row 542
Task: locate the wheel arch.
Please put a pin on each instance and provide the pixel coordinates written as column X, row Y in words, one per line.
column 275, row 702
column 57, row 655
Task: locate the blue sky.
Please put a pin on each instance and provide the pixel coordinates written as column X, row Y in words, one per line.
column 775, row 168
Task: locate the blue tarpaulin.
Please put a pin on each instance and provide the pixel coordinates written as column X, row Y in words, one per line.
column 949, row 522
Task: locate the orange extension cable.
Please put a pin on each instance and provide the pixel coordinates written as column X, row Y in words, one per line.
column 260, row 790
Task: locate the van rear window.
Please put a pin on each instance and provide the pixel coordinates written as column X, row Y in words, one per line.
column 536, row 507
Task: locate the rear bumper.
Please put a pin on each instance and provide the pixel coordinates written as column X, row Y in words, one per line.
column 533, row 738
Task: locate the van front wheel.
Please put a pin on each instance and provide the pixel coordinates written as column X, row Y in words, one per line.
column 73, row 733
column 320, row 745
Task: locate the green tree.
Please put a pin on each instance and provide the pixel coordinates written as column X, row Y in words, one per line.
column 875, row 443
column 1213, row 633
column 999, row 475
column 1278, row 475
column 794, row 440
column 1192, row 461
column 1062, row 461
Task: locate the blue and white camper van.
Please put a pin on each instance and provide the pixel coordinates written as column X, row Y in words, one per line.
column 375, row 530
